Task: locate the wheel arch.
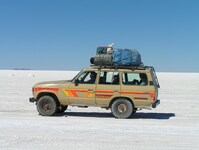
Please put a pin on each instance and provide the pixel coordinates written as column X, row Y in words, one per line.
column 48, row 94
column 127, row 98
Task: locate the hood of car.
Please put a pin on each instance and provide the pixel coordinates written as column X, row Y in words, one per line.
column 49, row 83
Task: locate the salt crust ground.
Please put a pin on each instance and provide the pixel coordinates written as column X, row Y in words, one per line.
column 173, row 125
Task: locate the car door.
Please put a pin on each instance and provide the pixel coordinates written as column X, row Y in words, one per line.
column 136, row 87
column 108, row 87
column 81, row 91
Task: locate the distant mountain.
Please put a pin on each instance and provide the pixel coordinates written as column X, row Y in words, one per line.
column 21, row 69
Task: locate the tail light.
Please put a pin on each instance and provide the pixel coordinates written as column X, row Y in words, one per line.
column 152, row 95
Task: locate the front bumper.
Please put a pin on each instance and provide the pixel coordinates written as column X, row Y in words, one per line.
column 32, row 100
column 156, row 103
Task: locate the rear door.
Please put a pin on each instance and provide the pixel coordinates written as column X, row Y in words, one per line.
column 155, row 82
column 136, row 86
column 108, row 87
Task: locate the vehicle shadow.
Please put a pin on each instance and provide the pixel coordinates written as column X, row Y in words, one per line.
column 138, row 115
column 88, row 114
column 141, row 115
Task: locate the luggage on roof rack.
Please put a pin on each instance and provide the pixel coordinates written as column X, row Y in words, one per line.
column 103, row 50
column 126, row 57
column 108, row 56
column 102, row 60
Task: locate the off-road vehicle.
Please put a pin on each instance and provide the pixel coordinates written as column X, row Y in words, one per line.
column 123, row 90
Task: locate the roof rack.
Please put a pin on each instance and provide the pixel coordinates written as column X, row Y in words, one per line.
column 121, row 67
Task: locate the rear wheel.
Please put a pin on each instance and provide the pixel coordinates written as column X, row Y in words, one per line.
column 47, row 106
column 122, row 108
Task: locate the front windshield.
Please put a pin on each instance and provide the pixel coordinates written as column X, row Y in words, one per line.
column 75, row 77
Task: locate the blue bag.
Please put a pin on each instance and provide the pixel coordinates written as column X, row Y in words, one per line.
column 126, row 57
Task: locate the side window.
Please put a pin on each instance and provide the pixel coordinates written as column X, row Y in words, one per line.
column 87, row 77
column 107, row 77
column 134, row 79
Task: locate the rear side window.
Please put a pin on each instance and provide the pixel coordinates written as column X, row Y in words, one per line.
column 135, row 79
column 109, row 77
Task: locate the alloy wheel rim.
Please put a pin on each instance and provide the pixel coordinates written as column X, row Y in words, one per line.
column 122, row 108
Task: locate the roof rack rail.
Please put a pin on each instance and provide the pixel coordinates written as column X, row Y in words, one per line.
column 121, row 67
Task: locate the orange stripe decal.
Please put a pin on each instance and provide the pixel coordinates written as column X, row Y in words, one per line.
column 103, row 95
column 80, row 90
column 103, row 91
column 137, row 92
column 73, row 93
column 151, row 94
column 140, row 98
column 47, row 89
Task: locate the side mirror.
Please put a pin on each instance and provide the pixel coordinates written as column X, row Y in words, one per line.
column 76, row 82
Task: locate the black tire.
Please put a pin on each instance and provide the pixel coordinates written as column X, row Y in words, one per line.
column 62, row 109
column 122, row 108
column 47, row 106
column 134, row 111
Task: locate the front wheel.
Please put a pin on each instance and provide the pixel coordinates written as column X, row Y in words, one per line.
column 122, row 108
column 46, row 106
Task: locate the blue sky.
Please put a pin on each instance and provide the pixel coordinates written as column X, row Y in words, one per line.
column 64, row 34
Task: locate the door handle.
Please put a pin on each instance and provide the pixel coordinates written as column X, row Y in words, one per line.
column 90, row 90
